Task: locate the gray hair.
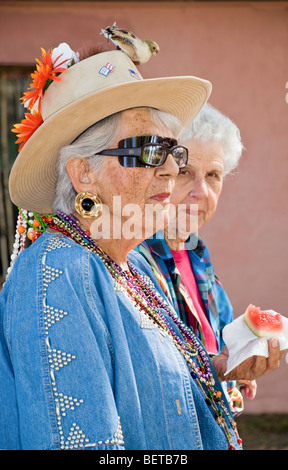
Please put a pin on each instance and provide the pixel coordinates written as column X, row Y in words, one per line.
column 96, row 138
column 211, row 124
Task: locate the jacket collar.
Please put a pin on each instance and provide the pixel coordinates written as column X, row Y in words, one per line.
column 159, row 246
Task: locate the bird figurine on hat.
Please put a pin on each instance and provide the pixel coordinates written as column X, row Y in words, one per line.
column 139, row 50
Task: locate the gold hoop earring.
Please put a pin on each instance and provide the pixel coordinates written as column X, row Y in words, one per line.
column 88, row 205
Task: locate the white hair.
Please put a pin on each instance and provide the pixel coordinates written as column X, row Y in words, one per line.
column 98, row 137
column 211, row 124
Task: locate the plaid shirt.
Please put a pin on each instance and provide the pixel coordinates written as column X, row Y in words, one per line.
column 217, row 305
column 218, row 308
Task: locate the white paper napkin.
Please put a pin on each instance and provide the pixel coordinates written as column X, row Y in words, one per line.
column 242, row 343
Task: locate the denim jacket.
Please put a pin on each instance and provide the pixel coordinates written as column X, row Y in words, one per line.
column 82, row 367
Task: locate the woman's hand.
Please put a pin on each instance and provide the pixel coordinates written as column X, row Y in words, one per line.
column 248, row 388
column 251, row 368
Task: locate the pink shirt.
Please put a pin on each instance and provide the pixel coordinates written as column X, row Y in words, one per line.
column 184, row 267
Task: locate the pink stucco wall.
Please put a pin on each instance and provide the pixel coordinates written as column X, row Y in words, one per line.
column 242, row 48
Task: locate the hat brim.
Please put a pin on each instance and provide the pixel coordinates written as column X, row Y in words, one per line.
column 33, row 176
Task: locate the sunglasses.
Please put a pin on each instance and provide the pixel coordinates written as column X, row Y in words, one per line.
column 146, row 151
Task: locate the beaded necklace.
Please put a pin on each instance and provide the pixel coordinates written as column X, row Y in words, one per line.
column 145, row 298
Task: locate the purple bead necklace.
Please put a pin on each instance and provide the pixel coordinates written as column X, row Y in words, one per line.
column 145, row 298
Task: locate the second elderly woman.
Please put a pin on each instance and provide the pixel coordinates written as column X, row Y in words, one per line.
column 178, row 257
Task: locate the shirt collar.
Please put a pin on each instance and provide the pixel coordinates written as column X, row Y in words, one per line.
column 159, row 246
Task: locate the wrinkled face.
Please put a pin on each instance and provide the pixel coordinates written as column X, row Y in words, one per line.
column 200, row 182
column 139, row 190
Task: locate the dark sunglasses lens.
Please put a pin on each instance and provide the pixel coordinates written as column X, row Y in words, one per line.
column 180, row 155
column 153, row 155
column 129, row 162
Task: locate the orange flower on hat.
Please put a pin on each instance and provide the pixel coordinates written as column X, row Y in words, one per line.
column 46, row 71
column 27, row 127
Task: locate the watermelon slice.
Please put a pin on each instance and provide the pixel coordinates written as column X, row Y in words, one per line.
column 263, row 323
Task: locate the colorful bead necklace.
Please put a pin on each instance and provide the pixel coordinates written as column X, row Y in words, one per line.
column 145, row 298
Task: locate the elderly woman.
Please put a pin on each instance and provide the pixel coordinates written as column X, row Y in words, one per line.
column 182, row 265
column 92, row 356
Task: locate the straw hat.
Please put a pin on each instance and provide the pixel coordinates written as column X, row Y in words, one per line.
column 89, row 91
